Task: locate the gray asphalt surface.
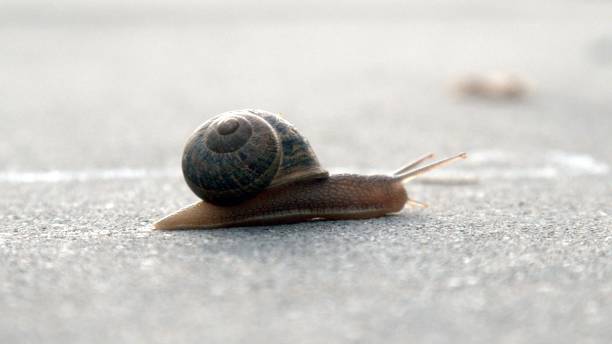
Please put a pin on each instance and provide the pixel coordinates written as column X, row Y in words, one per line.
column 96, row 102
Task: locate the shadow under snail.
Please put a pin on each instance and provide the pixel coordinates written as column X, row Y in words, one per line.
column 251, row 167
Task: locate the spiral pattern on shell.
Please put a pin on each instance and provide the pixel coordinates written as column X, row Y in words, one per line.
column 237, row 154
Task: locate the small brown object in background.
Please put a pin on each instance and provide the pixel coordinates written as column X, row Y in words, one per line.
column 496, row 86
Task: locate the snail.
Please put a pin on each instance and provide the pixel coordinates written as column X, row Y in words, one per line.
column 251, row 167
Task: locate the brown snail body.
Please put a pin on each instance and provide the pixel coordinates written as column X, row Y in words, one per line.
column 308, row 193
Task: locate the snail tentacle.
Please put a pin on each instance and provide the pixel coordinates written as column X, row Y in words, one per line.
column 413, row 164
column 408, row 176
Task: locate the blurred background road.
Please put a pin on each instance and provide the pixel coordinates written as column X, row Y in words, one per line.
column 97, row 99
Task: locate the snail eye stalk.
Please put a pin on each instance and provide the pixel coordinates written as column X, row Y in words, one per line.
column 413, row 164
column 410, row 175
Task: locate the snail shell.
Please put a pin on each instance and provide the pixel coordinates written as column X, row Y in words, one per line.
column 237, row 154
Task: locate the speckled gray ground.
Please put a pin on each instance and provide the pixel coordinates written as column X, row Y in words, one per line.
column 522, row 255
